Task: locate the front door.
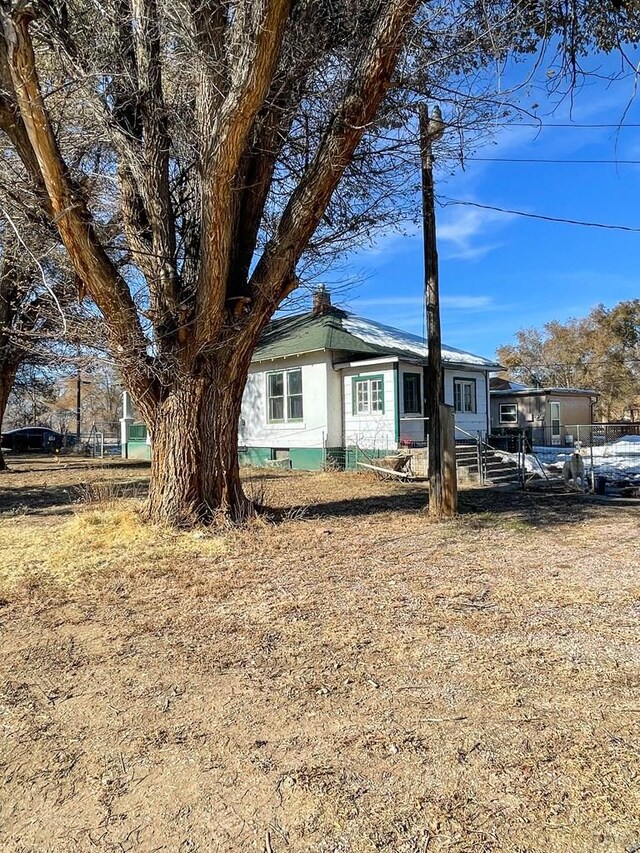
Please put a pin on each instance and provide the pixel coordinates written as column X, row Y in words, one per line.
column 556, row 437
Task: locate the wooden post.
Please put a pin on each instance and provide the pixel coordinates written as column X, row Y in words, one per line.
column 448, row 453
column 439, row 503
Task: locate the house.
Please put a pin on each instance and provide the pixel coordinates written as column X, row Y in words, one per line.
column 547, row 416
column 326, row 382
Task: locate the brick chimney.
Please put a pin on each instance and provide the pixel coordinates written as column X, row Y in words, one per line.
column 321, row 301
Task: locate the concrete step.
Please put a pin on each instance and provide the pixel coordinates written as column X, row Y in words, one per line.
column 504, row 477
column 501, row 466
column 497, row 471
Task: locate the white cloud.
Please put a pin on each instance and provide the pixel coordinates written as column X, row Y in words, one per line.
column 462, row 228
column 460, row 302
column 466, row 303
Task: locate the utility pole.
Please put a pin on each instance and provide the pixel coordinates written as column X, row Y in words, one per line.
column 442, row 474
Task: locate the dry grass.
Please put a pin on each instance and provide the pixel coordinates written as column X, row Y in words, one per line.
column 352, row 679
column 97, row 540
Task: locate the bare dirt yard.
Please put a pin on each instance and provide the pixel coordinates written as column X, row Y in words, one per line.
column 345, row 677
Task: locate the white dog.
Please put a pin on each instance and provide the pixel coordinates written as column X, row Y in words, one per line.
column 573, row 472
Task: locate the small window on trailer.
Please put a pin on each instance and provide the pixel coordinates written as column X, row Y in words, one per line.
column 508, row 413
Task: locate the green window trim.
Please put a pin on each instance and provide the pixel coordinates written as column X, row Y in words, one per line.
column 368, row 378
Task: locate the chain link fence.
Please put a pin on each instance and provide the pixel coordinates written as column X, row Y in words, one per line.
column 601, row 458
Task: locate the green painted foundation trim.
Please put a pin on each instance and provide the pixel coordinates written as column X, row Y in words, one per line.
column 254, row 456
column 313, row 458
column 307, row 458
column 302, row 458
column 138, row 450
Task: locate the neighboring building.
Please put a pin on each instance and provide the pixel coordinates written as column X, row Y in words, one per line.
column 326, row 382
column 548, row 416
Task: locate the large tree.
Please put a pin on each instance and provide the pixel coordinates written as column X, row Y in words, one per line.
column 220, row 130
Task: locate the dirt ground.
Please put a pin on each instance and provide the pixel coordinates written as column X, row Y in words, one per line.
column 350, row 678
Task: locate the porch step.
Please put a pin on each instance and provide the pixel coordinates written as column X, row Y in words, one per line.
column 497, row 471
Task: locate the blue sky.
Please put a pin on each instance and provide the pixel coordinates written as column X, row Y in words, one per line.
column 500, row 273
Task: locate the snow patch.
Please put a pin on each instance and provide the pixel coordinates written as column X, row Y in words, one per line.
column 391, row 339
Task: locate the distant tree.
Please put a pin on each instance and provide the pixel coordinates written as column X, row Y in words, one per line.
column 32, row 293
column 600, row 352
column 238, row 141
column 100, row 396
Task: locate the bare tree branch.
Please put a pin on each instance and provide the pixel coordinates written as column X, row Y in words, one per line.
column 259, row 31
column 272, row 278
column 70, row 212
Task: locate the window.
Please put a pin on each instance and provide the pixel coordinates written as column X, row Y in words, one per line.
column 464, row 395
column 508, row 413
column 554, row 414
column 411, row 393
column 368, row 395
column 284, row 396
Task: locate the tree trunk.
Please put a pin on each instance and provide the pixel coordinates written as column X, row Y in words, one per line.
column 7, row 378
column 195, row 474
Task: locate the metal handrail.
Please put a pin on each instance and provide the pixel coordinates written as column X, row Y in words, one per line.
column 471, row 435
column 480, row 452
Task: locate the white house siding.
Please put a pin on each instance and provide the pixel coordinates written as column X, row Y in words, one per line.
column 376, row 431
column 256, row 432
column 472, row 422
column 334, row 404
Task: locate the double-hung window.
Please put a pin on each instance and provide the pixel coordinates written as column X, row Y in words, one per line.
column 368, row 395
column 464, row 395
column 284, row 396
column 508, row 413
column 411, row 394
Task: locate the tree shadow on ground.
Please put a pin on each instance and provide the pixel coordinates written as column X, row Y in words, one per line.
column 485, row 505
column 26, row 463
column 61, row 499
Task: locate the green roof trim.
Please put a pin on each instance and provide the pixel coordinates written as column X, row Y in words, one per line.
column 305, row 333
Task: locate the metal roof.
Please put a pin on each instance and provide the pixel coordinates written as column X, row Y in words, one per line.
column 340, row 331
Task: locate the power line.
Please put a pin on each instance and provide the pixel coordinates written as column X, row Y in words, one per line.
column 549, row 160
column 541, row 124
column 447, row 201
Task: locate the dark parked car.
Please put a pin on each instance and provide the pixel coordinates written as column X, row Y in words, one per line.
column 33, row 439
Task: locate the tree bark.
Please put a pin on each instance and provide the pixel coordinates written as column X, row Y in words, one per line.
column 195, row 474
column 7, row 378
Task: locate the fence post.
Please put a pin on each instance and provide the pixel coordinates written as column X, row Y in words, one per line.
column 522, row 467
column 479, row 458
column 485, row 458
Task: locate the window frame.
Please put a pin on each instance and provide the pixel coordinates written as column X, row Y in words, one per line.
column 368, row 378
column 465, row 380
column 417, row 377
column 513, row 406
column 285, row 419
